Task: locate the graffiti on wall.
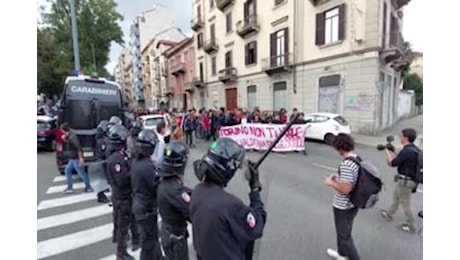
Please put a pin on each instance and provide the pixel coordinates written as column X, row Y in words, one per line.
column 361, row 102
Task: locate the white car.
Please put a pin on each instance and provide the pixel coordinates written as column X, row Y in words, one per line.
column 325, row 126
column 151, row 122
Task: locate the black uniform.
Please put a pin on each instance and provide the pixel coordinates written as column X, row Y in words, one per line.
column 223, row 227
column 119, row 174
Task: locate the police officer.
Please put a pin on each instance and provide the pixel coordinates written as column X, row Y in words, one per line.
column 145, row 182
column 101, row 146
column 222, row 225
column 116, row 120
column 118, row 168
column 135, row 129
column 174, row 201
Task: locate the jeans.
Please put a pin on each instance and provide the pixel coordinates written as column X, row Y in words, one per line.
column 189, row 137
column 343, row 226
column 74, row 165
column 401, row 195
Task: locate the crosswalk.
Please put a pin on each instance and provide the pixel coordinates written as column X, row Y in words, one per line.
column 75, row 226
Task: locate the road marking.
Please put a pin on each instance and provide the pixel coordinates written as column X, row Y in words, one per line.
column 68, row 200
column 324, row 167
column 64, row 178
column 60, row 188
column 334, row 169
column 71, row 217
column 73, row 241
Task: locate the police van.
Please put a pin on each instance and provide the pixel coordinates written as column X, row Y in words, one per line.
column 85, row 101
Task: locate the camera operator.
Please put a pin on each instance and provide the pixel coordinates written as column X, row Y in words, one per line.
column 406, row 163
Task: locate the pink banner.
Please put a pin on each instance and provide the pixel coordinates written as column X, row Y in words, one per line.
column 260, row 136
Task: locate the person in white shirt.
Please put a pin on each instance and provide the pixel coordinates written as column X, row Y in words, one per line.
column 157, row 156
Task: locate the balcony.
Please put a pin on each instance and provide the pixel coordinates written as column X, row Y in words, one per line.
column 189, row 87
column 211, row 46
column 399, row 3
column 222, row 4
column 227, row 75
column 396, row 48
column 277, row 64
column 247, row 25
column 178, row 68
column 196, row 23
column 198, row 82
column 164, row 71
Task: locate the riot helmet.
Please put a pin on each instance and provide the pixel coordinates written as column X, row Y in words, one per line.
column 116, row 120
column 136, row 128
column 222, row 160
column 102, row 128
column 175, row 158
column 146, row 142
column 118, row 135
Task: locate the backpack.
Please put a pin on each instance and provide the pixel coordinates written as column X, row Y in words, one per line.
column 418, row 177
column 365, row 193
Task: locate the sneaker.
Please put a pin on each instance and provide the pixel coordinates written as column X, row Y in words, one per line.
column 135, row 244
column 68, row 191
column 386, row 215
column 125, row 256
column 334, row 254
column 103, row 199
column 89, row 189
column 407, row 228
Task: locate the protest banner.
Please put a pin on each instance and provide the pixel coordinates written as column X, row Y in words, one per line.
column 260, row 136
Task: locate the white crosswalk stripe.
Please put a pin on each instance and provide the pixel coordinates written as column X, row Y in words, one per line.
column 77, row 221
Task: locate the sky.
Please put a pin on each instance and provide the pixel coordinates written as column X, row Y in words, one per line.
column 182, row 12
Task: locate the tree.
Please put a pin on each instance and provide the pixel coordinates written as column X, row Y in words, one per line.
column 97, row 23
column 52, row 64
column 413, row 82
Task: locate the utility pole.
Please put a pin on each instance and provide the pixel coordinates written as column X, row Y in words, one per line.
column 76, row 51
column 94, row 56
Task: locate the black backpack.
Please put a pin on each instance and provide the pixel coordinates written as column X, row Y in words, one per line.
column 418, row 177
column 365, row 193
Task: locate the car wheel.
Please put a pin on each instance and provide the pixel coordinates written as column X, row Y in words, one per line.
column 53, row 146
column 329, row 138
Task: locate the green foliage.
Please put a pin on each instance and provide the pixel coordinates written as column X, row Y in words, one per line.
column 413, row 82
column 97, row 23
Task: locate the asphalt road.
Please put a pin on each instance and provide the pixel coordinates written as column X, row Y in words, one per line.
column 300, row 222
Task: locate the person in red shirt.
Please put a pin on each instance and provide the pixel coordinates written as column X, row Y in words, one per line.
column 207, row 125
column 283, row 116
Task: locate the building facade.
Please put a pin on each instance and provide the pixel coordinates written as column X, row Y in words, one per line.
column 124, row 76
column 182, row 72
column 327, row 55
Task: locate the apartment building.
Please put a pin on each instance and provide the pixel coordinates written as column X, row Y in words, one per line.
column 124, row 76
column 325, row 55
column 163, row 91
column 147, row 74
column 182, row 73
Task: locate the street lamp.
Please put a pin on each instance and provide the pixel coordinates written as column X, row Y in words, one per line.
column 76, row 51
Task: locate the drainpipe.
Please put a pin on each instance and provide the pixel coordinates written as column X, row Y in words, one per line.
column 294, row 56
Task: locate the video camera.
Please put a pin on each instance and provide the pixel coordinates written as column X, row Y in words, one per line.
column 388, row 146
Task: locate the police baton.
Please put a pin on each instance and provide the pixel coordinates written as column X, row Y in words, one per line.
column 249, row 252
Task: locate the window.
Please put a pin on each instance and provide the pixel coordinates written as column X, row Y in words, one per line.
column 211, row 4
column 252, row 97
column 201, row 72
column 251, row 53
column 229, row 22
column 279, row 48
column 277, row 2
column 228, row 59
column 199, row 39
column 213, row 32
column 213, row 66
column 330, row 26
column 384, row 31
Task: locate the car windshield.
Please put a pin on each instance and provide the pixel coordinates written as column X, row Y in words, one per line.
column 341, row 120
column 43, row 126
column 153, row 121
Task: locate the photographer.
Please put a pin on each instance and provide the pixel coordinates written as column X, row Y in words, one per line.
column 406, row 163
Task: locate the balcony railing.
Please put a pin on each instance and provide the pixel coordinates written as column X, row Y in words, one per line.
column 178, row 68
column 278, row 63
column 211, row 46
column 198, row 82
column 248, row 25
column 400, row 3
column 222, row 4
column 196, row 23
column 228, row 74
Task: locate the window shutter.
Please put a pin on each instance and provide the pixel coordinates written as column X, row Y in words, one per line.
column 272, row 48
column 286, row 46
column 342, row 19
column 255, row 52
column 245, row 11
column 320, row 24
column 246, row 54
